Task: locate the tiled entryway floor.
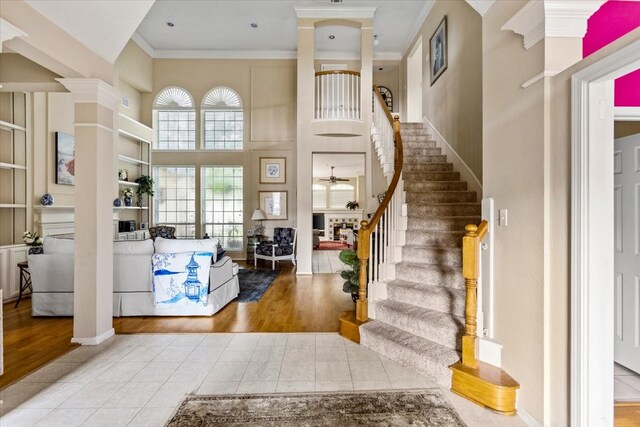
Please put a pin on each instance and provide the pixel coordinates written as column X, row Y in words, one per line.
column 626, row 385
column 138, row 380
column 326, row 262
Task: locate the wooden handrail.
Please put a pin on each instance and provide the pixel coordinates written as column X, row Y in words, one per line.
column 362, row 310
column 325, row 73
column 471, row 271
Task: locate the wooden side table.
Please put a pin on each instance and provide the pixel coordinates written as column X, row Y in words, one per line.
column 252, row 242
column 25, row 279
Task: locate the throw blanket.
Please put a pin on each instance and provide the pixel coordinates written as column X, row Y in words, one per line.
column 181, row 278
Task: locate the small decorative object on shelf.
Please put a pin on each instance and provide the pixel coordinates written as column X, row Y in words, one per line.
column 145, row 185
column 46, row 199
column 123, row 175
column 353, row 205
column 117, row 202
column 31, row 238
column 127, row 193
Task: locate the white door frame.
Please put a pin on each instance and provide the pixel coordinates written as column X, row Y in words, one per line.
column 592, row 236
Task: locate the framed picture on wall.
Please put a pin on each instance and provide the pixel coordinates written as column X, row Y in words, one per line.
column 65, row 159
column 274, row 204
column 273, row 170
column 438, row 51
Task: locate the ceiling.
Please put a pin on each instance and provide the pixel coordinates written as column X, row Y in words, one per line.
column 346, row 165
column 222, row 28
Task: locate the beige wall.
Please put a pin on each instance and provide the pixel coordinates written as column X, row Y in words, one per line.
column 513, row 155
column 454, row 103
column 16, row 69
column 622, row 129
column 390, row 78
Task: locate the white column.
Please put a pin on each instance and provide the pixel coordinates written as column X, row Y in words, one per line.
column 95, row 119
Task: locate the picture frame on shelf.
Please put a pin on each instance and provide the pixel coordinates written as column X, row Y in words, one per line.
column 65, row 159
column 273, row 170
column 273, row 204
column 438, row 58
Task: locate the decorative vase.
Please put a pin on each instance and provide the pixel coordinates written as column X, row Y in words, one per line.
column 127, row 201
column 117, row 203
column 123, row 175
column 46, row 199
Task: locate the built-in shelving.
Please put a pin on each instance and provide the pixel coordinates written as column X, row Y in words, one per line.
column 133, row 136
column 12, row 206
column 133, row 207
column 128, row 183
column 12, row 166
column 131, row 160
column 10, row 126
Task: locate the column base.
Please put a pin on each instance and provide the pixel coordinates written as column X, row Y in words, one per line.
column 94, row 340
column 350, row 326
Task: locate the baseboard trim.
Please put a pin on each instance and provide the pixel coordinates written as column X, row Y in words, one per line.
column 526, row 417
column 94, row 340
column 466, row 174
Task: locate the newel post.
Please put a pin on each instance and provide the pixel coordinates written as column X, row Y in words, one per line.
column 362, row 307
column 470, row 271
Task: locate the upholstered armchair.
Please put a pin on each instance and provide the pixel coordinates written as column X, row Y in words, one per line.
column 282, row 247
column 164, row 231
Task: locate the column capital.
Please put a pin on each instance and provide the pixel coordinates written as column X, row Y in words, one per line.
column 93, row 91
column 9, row 31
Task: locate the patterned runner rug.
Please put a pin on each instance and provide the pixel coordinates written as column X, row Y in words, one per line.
column 419, row 408
column 332, row 246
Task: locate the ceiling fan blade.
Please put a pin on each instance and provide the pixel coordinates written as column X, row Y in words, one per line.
column 342, row 179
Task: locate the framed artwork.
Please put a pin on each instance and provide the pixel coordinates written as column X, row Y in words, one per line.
column 438, row 51
column 274, row 204
column 65, row 159
column 273, row 170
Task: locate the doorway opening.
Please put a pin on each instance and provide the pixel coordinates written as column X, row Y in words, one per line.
column 414, row 83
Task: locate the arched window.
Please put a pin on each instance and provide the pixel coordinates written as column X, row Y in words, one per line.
column 340, row 194
column 223, row 119
column 175, row 117
column 319, row 196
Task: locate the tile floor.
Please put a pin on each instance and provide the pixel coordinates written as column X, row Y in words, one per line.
column 626, row 384
column 326, row 262
column 138, row 380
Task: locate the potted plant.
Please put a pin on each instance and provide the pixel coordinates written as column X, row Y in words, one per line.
column 31, row 238
column 145, row 185
column 353, row 205
column 352, row 276
column 127, row 193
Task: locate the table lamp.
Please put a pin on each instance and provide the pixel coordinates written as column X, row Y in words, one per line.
column 258, row 216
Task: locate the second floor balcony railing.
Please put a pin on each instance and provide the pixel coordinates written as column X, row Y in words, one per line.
column 337, row 95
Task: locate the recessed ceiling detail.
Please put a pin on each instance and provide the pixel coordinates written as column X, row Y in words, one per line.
column 173, row 97
column 222, row 97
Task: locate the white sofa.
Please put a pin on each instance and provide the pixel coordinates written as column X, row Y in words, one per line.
column 52, row 279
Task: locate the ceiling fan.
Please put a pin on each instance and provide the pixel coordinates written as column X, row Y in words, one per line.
column 332, row 179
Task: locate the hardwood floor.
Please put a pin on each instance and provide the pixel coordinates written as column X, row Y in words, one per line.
column 627, row 414
column 291, row 304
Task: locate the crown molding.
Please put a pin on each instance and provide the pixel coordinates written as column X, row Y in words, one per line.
column 335, row 12
column 93, row 91
column 224, row 54
column 626, row 114
column 417, row 24
column 539, row 19
column 9, row 31
column 143, row 44
column 481, row 6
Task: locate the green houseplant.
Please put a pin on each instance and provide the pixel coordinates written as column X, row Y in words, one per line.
column 353, row 205
column 145, row 186
column 351, row 275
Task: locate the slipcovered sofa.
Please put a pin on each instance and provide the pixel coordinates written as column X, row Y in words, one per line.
column 52, row 278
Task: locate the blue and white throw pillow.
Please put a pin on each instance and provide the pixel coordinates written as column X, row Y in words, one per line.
column 181, row 278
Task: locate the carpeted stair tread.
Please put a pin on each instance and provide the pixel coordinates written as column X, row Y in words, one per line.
column 441, row 196
column 442, row 328
column 411, row 351
column 417, row 141
column 425, row 186
column 442, row 238
column 438, row 158
column 441, row 223
column 428, row 167
column 443, row 209
column 437, row 298
column 439, row 275
column 411, row 176
column 432, row 255
column 422, row 151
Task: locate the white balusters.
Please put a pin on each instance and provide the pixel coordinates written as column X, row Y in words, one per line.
column 337, row 95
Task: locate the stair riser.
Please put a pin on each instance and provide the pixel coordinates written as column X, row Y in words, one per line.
column 418, row 141
column 427, row 167
column 444, row 210
column 446, row 331
column 449, row 224
column 419, row 187
column 425, row 159
column 441, row 197
column 432, row 256
column 452, row 302
column 413, row 131
column 431, row 176
column 434, row 238
column 412, row 273
column 422, row 151
column 440, row 372
column 411, row 125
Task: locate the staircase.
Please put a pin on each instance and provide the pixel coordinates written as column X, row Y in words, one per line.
column 421, row 322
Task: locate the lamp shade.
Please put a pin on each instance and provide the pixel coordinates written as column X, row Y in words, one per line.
column 258, row 215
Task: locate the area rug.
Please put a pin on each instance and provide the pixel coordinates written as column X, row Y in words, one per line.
column 332, row 246
column 420, row 408
column 254, row 283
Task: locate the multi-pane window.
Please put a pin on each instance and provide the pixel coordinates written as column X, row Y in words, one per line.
column 175, row 117
column 223, row 205
column 223, row 120
column 175, row 198
column 340, row 194
column 319, row 196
